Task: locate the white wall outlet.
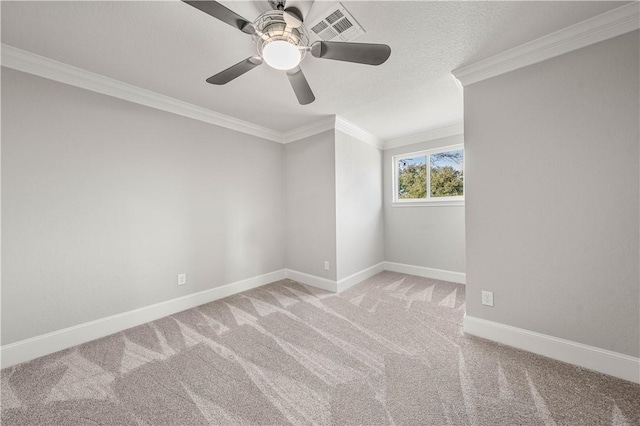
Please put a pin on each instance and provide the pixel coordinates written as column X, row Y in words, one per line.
column 182, row 279
column 326, row 265
column 487, row 298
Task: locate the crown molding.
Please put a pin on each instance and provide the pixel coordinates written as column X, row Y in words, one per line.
column 428, row 135
column 305, row 131
column 31, row 63
column 352, row 130
column 599, row 28
column 333, row 122
column 41, row 66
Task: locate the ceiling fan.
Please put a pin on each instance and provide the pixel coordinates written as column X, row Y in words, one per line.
column 282, row 41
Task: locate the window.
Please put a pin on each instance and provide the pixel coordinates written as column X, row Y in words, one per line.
column 429, row 177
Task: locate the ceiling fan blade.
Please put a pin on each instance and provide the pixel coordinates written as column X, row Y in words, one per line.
column 223, row 77
column 303, row 7
column 220, row 12
column 292, row 16
column 300, row 86
column 361, row 53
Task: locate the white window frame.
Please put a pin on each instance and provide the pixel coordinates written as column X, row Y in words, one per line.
column 422, row 202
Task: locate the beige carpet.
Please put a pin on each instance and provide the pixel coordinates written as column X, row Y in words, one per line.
column 388, row 351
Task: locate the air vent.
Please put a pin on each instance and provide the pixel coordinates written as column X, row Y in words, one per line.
column 328, row 34
column 318, row 28
column 334, row 16
column 342, row 25
column 336, row 24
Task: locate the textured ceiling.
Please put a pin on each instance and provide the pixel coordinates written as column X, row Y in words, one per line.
column 171, row 48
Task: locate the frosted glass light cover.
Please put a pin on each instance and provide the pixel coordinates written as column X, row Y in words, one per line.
column 281, row 55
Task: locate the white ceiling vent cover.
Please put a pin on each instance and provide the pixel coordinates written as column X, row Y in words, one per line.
column 336, row 24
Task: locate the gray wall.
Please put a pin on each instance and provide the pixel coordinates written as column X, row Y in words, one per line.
column 359, row 215
column 311, row 205
column 552, row 196
column 431, row 236
column 104, row 202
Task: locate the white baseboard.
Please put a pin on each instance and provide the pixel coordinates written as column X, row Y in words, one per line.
column 351, row 280
column 332, row 285
column 422, row 271
column 35, row 347
column 360, row 276
column 312, row 280
column 608, row 362
column 28, row 349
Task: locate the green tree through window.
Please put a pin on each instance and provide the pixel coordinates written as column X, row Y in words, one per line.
column 412, row 178
column 446, row 182
column 447, row 179
column 446, row 175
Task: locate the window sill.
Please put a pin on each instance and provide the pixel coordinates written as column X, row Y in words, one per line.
column 431, row 203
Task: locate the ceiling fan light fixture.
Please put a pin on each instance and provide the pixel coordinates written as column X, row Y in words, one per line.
column 282, row 40
column 281, row 55
column 280, row 45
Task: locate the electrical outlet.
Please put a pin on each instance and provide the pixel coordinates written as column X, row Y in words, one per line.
column 326, row 265
column 182, row 279
column 487, row 298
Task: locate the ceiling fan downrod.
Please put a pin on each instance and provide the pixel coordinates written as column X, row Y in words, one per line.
column 282, row 41
column 277, row 4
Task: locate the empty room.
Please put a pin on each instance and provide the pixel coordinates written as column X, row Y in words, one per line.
column 315, row 212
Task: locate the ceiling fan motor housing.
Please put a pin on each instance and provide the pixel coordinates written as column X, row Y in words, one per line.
column 282, row 42
column 271, row 26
